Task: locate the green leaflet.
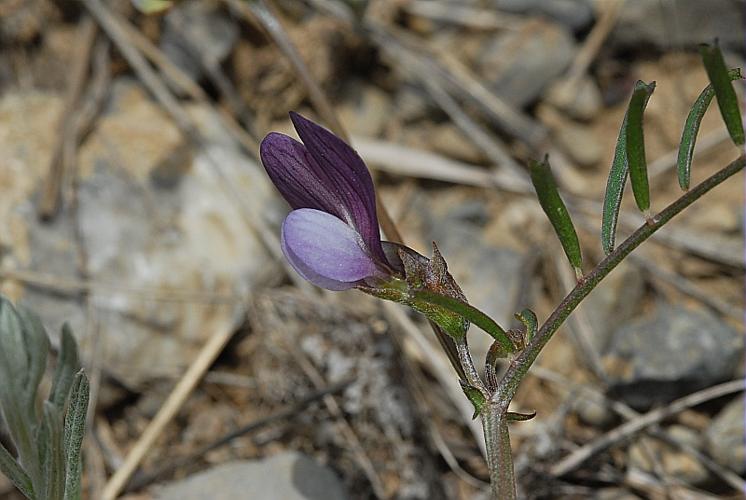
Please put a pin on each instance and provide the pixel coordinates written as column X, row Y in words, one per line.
column 37, row 349
column 476, row 397
column 520, row 417
column 615, row 187
column 48, row 444
column 691, row 129
column 15, row 473
column 638, row 167
column 68, row 365
column 74, row 431
column 51, row 452
column 17, row 367
column 149, row 7
column 554, row 207
column 528, row 318
column 720, row 79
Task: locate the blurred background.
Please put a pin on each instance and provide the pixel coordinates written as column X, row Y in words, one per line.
column 133, row 206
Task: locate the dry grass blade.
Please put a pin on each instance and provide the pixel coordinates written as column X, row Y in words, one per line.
column 711, row 246
column 179, row 79
column 669, row 160
column 75, row 286
column 180, row 393
column 628, row 429
column 112, row 25
column 687, row 287
column 411, row 162
column 624, row 411
column 727, row 251
column 727, row 475
column 269, row 19
column 452, row 74
column 58, row 166
column 592, row 44
column 464, row 15
column 294, row 409
column 361, row 456
column 490, row 145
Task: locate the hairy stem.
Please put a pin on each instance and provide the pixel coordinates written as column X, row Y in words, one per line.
column 499, row 455
column 467, row 363
column 520, row 365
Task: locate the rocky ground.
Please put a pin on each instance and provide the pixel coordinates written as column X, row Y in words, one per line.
column 134, row 207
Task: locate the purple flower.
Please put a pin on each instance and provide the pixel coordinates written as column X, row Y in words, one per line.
column 331, row 237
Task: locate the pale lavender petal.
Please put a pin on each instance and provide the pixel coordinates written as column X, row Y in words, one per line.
column 324, row 250
column 348, row 173
column 295, row 174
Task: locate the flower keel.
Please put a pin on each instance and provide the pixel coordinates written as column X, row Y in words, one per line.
column 324, row 250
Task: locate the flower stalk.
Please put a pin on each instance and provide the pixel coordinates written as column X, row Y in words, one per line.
column 499, row 453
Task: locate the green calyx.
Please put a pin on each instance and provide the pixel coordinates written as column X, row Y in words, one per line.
column 428, row 288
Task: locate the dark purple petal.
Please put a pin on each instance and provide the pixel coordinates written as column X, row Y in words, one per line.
column 295, row 174
column 348, row 174
column 324, row 250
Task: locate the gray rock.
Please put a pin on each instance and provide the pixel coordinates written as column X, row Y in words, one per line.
column 575, row 139
column 174, row 232
column 582, row 101
column 521, row 63
column 574, row 14
column 725, row 437
column 683, row 22
column 672, row 352
column 593, row 409
column 196, row 30
column 616, row 300
column 366, row 110
column 286, row 476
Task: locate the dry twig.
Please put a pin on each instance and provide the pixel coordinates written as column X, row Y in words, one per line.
column 139, row 482
column 59, row 163
column 361, row 456
column 624, row 411
column 176, row 399
column 628, row 429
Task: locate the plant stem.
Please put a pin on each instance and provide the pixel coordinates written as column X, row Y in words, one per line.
column 494, row 414
column 467, row 363
column 520, row 365
column 499, row 455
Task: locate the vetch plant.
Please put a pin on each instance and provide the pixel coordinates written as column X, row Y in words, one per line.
column 47, row 435
column 331, row 238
